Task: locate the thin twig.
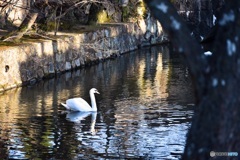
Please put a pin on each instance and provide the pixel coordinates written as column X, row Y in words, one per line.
column 9, row 38
column 82, row 3
column 40, row 35
column 58, row 22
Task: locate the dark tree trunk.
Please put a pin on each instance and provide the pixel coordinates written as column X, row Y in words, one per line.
column 217, row 7
column 216, row 123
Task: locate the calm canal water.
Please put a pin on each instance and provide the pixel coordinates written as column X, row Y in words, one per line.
column 144, row 111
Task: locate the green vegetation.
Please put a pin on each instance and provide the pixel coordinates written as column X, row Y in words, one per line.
column 102, row 17
column 49, row 26
column 133, row 11
column 8, row 43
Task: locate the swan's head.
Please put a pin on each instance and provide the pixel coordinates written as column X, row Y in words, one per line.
column 94, row 90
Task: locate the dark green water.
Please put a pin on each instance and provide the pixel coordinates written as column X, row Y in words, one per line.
column 144, row 111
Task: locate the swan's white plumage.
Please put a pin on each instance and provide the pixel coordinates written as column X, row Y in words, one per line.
column 79, row 104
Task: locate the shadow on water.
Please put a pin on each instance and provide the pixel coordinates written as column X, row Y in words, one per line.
column 144, row 111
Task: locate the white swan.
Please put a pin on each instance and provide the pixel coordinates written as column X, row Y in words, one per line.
column 79, row 104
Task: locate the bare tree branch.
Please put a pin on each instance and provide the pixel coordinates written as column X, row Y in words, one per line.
column 10, row 3
column 81, row 4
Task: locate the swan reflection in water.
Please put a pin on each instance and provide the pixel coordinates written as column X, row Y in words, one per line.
column 77, row 117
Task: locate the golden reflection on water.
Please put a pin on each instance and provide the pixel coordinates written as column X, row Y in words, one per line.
column 152, row 81
column 153, row 87
column 9, row 106
column 142, row 127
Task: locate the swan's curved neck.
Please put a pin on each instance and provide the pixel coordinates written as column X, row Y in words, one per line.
column 93, row 101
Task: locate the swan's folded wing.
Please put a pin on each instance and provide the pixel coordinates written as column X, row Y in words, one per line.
column 78, row 104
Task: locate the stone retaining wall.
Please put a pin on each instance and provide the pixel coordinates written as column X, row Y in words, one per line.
column 34, row 60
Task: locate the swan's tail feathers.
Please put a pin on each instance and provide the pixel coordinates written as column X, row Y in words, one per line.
column 65, row 105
